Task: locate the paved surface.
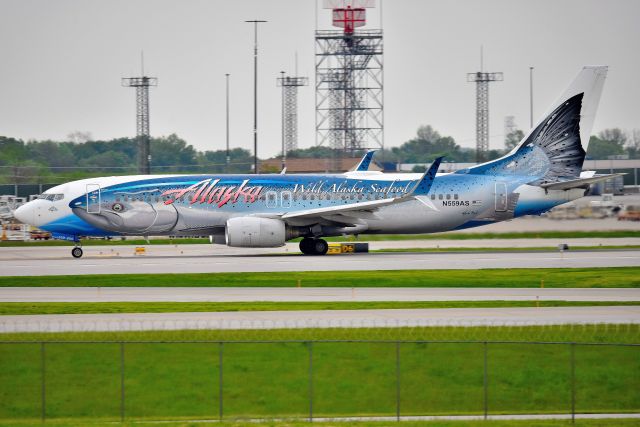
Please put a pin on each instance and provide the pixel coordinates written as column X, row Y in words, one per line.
column 207, row 260
column 124, row 251
column 320, row 319
column 293, row 294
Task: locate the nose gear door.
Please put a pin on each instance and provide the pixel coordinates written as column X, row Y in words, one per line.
column 93, row 198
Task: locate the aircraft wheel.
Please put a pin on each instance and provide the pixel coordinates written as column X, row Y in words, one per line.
column 306, row 246
column 76, row 252
column 320, row 247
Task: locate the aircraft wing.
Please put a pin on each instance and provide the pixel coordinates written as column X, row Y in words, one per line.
column 352, row 213
column 577, row 183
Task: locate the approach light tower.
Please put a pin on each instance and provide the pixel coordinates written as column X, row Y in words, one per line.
column 482, row 80
column 290, row 87
column 142, row 85
column 349, row 80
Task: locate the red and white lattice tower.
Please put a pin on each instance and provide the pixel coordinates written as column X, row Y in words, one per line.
column 349, row 80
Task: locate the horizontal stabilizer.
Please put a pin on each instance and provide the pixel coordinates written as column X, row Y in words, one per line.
column 577, row 183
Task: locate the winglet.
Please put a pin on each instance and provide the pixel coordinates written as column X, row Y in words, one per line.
column 365, row 162
column 424, row 185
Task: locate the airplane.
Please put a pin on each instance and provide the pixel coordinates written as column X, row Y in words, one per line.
column 265, row 210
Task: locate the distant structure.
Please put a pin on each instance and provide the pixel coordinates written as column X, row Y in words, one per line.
column 349, row 80
column 482, row 80
column 290, row 85
column 142, row 85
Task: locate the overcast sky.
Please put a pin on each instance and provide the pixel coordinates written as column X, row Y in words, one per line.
column 62, row 62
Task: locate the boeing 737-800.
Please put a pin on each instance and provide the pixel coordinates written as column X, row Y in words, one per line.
column 543, row 171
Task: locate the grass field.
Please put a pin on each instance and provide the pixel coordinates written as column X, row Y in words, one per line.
column 164, row 379
column 182, row 380
column 528, row 423
column 362, row 237
column 21, row 308
column 585, row 334
column 617, row 277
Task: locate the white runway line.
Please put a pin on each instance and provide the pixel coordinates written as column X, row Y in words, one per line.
column 321, row 319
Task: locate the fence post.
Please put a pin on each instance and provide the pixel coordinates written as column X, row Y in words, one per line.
column 220, row 400
column 43, row 394
column 573, row 383
column 121, row 381
column 397, row 380
column 310, row 345
column 486, row 384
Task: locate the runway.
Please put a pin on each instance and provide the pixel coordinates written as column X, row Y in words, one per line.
column 320, row 319
column 292, row 294
column 105, row 260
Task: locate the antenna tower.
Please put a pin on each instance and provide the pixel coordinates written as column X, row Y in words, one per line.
column 290, row 87
column 482, row 80
column 142, row 85
column 349, row 80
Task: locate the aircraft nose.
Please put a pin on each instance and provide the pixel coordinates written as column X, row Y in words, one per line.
column 25, row 213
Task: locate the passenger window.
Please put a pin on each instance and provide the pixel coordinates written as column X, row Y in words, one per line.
column 455, row 196
column 448, row 196
column 440, row 196
column 433, row 197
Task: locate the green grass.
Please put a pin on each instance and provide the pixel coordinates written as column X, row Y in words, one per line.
column 362, row 237
column 23, row 308
column 595, row 334
column 181, row 380
column 526, row 423
column 608, row 277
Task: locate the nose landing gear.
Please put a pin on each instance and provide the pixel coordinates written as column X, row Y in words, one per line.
column 76, row 252
column 310, row 246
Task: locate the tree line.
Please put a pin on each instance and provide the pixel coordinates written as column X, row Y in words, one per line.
column 81, row 156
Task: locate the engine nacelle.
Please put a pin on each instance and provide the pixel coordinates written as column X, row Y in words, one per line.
column 254, row 232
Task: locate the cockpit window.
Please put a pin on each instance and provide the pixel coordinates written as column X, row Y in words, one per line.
column 51, row 197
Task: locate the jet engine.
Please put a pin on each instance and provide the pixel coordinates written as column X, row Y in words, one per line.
column 254, row 232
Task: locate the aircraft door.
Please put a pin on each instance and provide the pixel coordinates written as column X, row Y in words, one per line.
column 286, row 199
column 93, row 198
column 501, row 197
column 272, row 199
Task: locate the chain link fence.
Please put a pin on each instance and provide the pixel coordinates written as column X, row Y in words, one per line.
column 213, row 380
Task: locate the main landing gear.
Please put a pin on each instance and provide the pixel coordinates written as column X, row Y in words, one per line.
column 310, row 246
column 76, row 252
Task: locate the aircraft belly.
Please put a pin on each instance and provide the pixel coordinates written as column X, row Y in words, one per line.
column 415, row 217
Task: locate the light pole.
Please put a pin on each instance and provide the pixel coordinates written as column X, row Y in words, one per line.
column 255, row 93
column 531, row 97
column 227, row 133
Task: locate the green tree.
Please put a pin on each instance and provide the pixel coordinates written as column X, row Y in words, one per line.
column 512, row 139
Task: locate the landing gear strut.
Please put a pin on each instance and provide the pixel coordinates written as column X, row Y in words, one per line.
column 310, row 246
column 76, row 252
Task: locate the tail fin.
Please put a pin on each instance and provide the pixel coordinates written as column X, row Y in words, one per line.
column 555, row 148
column 365, row 162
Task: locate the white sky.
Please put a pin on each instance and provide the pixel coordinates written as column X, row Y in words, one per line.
column 62, row 62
